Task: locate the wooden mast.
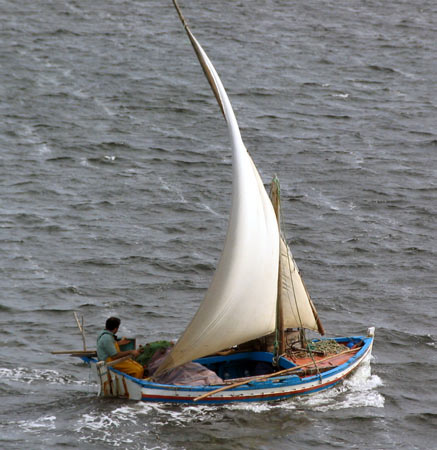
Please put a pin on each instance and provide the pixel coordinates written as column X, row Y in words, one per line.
column 280, row 332
column 280, row 329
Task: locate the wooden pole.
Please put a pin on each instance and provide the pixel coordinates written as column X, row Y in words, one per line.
column 80, row 326
column 209, row 75
column 75, row 352
column 280, row 332
column 265, row 377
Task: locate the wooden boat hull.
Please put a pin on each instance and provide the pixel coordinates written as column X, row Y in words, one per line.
column 114, row 383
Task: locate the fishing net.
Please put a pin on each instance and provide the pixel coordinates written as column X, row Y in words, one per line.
column 326, row 346
column 323, row 347
column 148, row 350
column 153, row 353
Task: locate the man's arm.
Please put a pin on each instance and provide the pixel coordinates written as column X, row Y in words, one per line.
column 107, row 342
column 121, row 354
column 123, row 341
column 133, row 353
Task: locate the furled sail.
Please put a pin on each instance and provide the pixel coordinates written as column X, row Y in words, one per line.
column 240, row 303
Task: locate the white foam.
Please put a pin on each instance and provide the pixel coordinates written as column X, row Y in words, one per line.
column 29, row 376
column 42, row 423
column 359, row 390
column 98, row 426
column 185, row 414
column 341, row 95
column 44, row 149
column 98, row 422
column 259, row 407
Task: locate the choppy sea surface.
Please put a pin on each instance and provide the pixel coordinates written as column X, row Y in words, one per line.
column 115, row 184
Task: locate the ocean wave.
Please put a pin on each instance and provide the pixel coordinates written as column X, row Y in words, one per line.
column 38, row 376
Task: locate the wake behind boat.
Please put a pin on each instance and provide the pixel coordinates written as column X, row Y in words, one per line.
column 249, row 331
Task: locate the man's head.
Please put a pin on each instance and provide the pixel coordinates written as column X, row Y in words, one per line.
column 112, row 323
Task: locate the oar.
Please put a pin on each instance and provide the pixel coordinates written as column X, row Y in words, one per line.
column 265, row 377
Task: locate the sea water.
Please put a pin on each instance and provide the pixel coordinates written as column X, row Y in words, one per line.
column 116, row 187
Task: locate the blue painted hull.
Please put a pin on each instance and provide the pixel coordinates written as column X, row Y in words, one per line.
column 117, row 384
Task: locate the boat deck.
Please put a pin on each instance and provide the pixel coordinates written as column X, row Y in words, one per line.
column 320, row 361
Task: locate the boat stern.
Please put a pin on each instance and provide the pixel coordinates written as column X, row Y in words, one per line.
column 113, row 383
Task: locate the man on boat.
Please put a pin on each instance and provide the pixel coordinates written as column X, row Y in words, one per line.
column 108, row 349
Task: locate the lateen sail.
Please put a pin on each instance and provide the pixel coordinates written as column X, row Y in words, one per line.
column 241, row 302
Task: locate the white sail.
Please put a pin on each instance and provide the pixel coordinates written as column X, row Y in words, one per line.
column 240, row 303
column 296, row 304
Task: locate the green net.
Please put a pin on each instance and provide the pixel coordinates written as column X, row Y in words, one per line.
column 326, row 346
column 148, row 350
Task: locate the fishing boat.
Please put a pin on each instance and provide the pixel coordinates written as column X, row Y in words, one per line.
column 250, row 329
